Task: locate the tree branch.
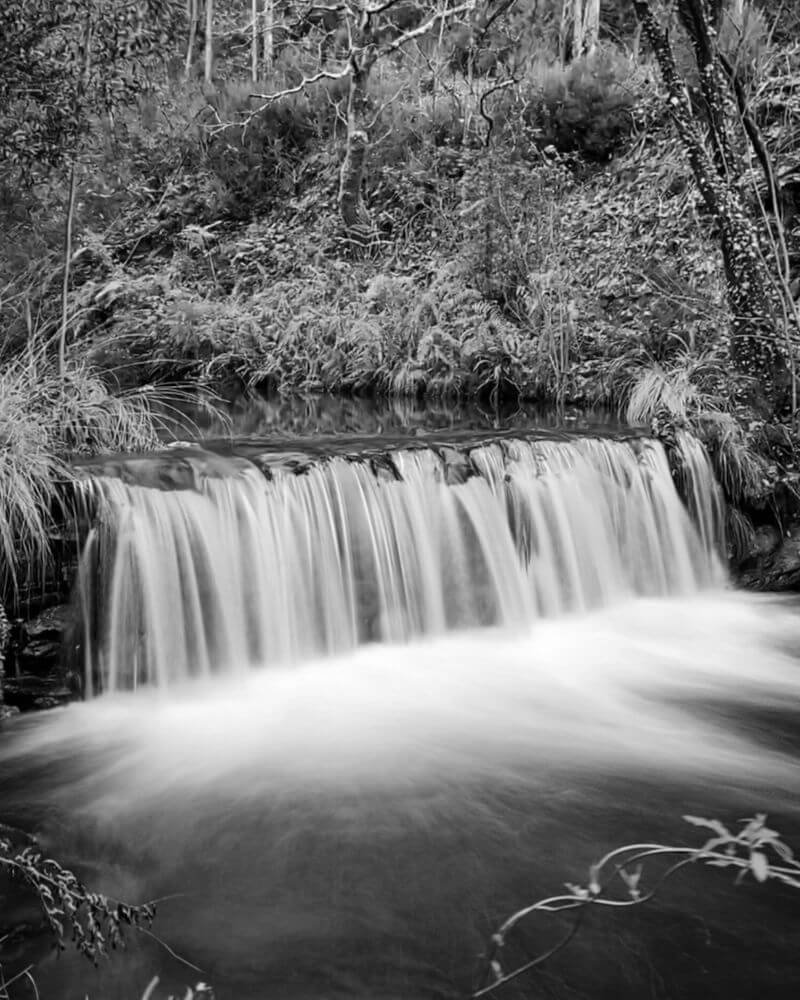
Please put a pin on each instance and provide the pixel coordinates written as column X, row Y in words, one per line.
column 426, row 26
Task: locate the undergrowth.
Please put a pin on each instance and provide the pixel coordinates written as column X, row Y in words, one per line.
column 562, row 255
column 45, row 418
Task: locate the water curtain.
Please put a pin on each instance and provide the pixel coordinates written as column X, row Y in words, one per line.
column 247, row 569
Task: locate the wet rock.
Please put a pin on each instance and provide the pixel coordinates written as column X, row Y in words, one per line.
column 42, row 641
column 383, row 467
column 774, row 561
column 766, row 540
column 457, row 466
column 28, row 693
column 50, row 624
column 180, row 468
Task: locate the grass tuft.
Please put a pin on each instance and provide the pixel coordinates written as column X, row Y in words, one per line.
column 44, row 419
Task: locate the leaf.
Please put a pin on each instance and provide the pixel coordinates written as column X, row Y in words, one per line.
column 709, row 824
column 759, row 866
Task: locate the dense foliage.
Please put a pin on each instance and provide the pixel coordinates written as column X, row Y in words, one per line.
column 531, row 223
column 64, row 63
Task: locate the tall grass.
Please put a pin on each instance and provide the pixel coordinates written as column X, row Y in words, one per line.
column 44, row 419
column 679, row 390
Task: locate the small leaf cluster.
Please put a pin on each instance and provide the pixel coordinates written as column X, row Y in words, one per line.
column 90, row 921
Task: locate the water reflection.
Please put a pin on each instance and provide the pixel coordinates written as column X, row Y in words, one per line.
column 253, row 415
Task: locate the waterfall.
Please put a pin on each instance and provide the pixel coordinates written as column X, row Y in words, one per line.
column 265, row 567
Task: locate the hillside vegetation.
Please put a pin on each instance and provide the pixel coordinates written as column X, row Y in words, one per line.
column 455, row 202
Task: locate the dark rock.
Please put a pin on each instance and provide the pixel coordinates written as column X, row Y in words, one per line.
column 7, row 712
column 42, row 641
column 457, row 466
column 383, row 467
column 766, row 540
column 774, row 561
column 28, row 692
column 40, row 651
column 181, row 468
column 50, row 624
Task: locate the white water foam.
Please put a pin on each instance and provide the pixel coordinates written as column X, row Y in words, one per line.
column 244, row 572
column 631, row 686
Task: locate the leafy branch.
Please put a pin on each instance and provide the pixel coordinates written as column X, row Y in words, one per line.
column 755, row 850
column 91, row 921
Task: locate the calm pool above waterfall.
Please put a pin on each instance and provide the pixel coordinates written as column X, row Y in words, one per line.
column 355, row 699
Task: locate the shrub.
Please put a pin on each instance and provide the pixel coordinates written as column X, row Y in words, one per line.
column 585, row 107
column 255, row 158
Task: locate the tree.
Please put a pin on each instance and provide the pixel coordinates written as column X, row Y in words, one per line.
column 711, row 146
column 374, row 31
column 66, row 64
column 585, row 26
column 208, row 71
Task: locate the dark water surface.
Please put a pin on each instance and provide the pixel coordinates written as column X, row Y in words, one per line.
column 304, row 416
column 345, row 835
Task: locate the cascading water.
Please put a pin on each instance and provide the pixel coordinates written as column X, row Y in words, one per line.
column 248, row 569
column 487, row 665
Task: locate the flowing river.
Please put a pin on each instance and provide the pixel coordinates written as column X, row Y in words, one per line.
column 348, row 711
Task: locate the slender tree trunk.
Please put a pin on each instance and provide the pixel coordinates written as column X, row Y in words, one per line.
column 351, row 175
column 62, row 334
column 577, row 28
column 563, row 31
column 72, row 198
column 254, row 40
column 209, row 60
column 591, row 25
column 268, row 36
column 754, row 349
column 194, row 16
column 637, row 44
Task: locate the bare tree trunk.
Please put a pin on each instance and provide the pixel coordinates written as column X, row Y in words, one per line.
column 591, row 25
column 70, row 220
column 351, row 175
column 209, row 60
column 62, row 334
column 577, row 28
column 194, row 16
column 637, row 44
column 754, row 348
column 563, row 27
column 268, row 35
column 254, row 41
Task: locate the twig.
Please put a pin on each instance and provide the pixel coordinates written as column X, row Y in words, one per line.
column 170, row 951
column 719, row 851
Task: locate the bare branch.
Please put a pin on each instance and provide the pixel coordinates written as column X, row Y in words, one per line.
column 482, row 110
column 426, row 26
column 307, row 81
column 379, row 8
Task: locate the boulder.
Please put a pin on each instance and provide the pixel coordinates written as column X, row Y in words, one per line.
column 42, row 641
column 773, row 562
